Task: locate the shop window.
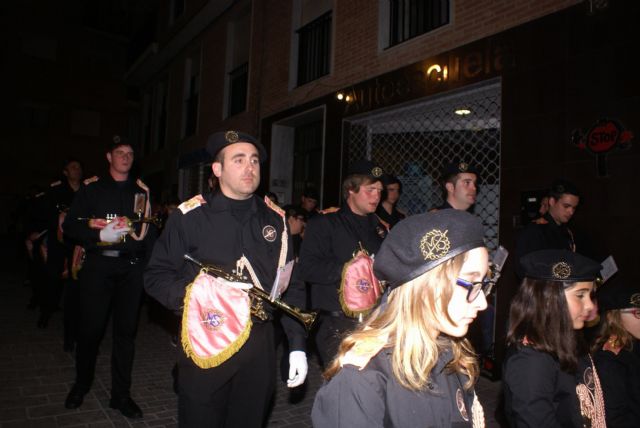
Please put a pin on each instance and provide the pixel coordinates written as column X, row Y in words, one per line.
column 411, row 18
column 314, row 49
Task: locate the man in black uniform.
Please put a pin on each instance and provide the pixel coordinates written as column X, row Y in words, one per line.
column 551, row 230
column 219, row 229
column 330, row 241
column 111, row 276
column 460, row 181
column 57, row 201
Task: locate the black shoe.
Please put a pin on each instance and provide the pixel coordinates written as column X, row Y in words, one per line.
column 74, row 399
column 127, row 407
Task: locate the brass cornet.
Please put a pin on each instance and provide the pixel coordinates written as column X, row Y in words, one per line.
column 155, row 220
column 306, row 318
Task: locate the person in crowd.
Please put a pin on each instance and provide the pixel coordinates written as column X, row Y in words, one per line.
column 551, row 231
column 110, row 281
column 273, row 197
column 460, row 185
column 309, row 201
column 616, row 350
column 35, row 240
column 547, row 379
column 57, row 201
column 387, row 210
column 409, row 363
column 330, row 242
column 296, row 222
column 225, row 228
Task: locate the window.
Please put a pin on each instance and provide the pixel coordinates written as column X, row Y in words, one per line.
column 238, row 79
column 191, row 96
column 237, row 63
column 411, row 18
column 161, row 115
column 314, row 48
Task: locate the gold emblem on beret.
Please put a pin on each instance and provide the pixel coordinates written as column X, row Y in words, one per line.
column 116, row 139
column 635, row 300
column 561, row 270
column 435, row 244
column 376, row 171
column 231, row 136
column 463, row 166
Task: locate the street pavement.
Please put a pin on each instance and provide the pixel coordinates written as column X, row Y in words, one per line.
column 36, row 375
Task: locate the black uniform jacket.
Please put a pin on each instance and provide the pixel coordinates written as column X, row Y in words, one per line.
column 544, row 236
column 390, row 219
column 372, row 398
column 101, row 198
column 330, row 240
column 620, row 379
column 537, row 392
column 211, row 234
column 57, row 200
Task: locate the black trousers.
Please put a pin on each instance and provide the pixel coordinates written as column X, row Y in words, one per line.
column 108, row 284
column 331, row 330
column 235, row 394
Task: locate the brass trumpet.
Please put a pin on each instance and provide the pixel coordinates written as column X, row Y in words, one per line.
column 306, row 318
column 155, row 220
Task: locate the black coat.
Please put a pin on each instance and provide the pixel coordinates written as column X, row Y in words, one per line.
column 537, row 392
column 102, row 198
column 545, row 235
column 211, row 234
column 330, row 241
column 373, row 398
column 620, row 379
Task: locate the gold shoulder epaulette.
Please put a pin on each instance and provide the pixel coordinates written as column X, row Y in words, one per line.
column 141, row 184
column 55, row 183
column 330, row 210
column 191, row 204
column 273, row 206
column 363, row 351
column 90, row 180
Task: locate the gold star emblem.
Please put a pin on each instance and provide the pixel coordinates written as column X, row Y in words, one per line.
column 435, row 244
column 231, row 136
column 561, row 270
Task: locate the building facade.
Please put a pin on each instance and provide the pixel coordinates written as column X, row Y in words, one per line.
column 526, row 91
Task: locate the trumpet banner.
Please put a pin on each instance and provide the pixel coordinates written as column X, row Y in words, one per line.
column 216, row 320
column 360, row 290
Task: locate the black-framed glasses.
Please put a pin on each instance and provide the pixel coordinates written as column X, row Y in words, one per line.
column 474, row 288
column 634, row 311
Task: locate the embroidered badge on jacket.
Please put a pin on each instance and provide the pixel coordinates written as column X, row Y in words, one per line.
column 269, row 233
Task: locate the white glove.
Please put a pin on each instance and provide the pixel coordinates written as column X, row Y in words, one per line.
column 114, row 231
column 297, row 368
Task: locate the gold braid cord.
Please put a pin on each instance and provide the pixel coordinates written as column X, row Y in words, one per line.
column 477, row 413
column 592, row 402
column 147, row 213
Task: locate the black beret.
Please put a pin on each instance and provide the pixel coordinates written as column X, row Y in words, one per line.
column 619, row 293
column 559, row 265
column 456, row 168
column 560, row 186
column 220, row 140
column 117, row 141
column 421, row 242
column 365, row 167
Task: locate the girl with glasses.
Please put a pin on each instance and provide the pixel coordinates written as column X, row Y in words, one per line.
column 616, row 350
column 548, row 379
column 409, row 363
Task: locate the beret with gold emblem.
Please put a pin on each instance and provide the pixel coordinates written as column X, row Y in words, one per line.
column 421, row 242
column 220, row 140
column 366, row 167
column 559, row 265
column 456, row 168
column 621, row 292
